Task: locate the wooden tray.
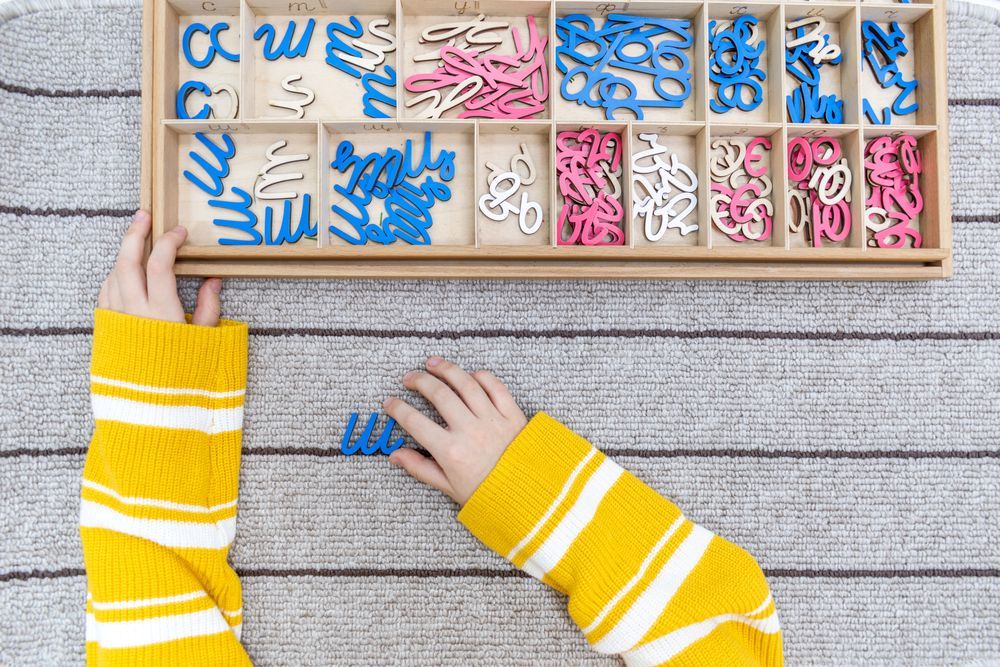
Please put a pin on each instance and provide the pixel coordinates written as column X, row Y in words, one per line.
column 464, row 243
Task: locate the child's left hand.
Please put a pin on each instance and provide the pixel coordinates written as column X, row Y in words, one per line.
column 151, row 291
column 482, row 419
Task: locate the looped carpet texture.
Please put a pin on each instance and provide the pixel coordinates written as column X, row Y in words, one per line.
column 846, row 434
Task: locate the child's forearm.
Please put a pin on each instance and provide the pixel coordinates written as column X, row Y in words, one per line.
column 159, row 490
column 643, row 581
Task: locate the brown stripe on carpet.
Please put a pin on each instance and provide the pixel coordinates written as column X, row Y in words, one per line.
column 45, row 332
column 27, row 575
column 496, row 573
column 724, row 334
column 628, row 333
column 48, row 92
column 68, row 212
column 834, row 454
column 330, row 452
column 974, row 102
column 39, row 453
column 992, row 217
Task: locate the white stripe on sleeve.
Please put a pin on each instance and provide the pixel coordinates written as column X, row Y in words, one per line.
column 640, row 573
column 664, row 648
column 206, row 420
column 148, row 602
column 646, row 609
column 169, row 391
column 177, row 534
column 555, row 504
column 576, row 519
column 130, row 634
column 154, row 502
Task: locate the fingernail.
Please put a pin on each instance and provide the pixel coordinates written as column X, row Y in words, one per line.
column 141, row 216
column 215, row 284
column 180, row 230
column 433, row 361
column 409, row 376
column 386, row 403
column 393, row 460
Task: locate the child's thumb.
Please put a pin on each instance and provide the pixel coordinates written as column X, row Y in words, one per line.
column 209, row 306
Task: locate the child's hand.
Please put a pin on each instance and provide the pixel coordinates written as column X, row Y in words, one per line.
column 482, row 420
column 151, row 291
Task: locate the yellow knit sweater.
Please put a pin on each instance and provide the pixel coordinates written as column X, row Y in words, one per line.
column 158, row 513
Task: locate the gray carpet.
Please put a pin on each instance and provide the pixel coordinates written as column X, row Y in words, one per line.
column 847, row 434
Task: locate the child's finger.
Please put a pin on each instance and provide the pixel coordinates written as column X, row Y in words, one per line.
column 423, row 469
column 209, row 305
column 470, row 391
column 428, row 434
column 161, row 281
column 102, row 297
column 440, row 395
column 131, row 278
column 499, row 394
column 114, row 295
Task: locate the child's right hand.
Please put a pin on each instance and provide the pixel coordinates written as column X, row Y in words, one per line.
column 482, row 419
column 151, row 291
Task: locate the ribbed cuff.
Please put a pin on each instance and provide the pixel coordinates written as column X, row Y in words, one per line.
column 169, row 354
column 527, row 479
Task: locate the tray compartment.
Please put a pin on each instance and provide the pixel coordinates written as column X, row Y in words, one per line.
column 497, row 60
column 824, row 188
column 602, row 59
column 247, row 185
column 745, row 168
column 508, row 147
column 734, row 74
column 667, row 189
column 911, row 32
column 593, row 202
column 332, row 60
column 823, row 92
column 202, row 63
column 399, row 183
column 900, row 188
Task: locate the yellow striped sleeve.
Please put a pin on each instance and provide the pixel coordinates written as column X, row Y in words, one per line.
column 643, row 581
column 159, row 491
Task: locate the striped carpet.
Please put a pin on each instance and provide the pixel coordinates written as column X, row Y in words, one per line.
column 847, row 434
